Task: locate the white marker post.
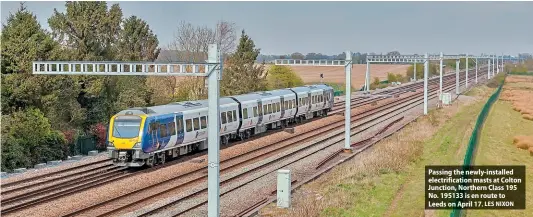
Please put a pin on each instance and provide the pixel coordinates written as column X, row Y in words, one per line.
column 440, row 72
column 426, row 75
column 476, row 70
column 347, row 112
column 466, row 79
column 457, row 63
column 414, row 72
column 213, row 133
column 488, row 69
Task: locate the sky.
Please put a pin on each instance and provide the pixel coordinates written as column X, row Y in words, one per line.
column 334, row 27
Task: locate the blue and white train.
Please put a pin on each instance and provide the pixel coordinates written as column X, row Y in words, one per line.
column 150, row 135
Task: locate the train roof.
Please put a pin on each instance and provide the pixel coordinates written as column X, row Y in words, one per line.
column 175, row 107
column 187, row 105
column 322, row 86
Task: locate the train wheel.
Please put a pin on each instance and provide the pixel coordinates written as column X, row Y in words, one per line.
column 150, row 161
column 224, row 140
column 162, row 157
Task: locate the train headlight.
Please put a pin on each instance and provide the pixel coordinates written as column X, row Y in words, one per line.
column 110, row 145
column 137, row 145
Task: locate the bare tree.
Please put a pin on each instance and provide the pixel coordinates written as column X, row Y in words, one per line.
column 191, row 44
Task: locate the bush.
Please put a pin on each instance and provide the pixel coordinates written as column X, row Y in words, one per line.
column 433, row 70
column 280, row 77
column 391, row 77
column 27, row 139
column 100, row 131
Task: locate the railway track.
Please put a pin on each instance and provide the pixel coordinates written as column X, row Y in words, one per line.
column 106, row 177
column 337, row 137
column 398, row 90
column 44, row 177
column 187, row 180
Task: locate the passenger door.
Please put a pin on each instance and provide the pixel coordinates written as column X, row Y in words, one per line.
column 180, row 132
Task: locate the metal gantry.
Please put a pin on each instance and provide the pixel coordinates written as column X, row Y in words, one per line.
column 347, row 63
column 212, row 70
column 396, row 59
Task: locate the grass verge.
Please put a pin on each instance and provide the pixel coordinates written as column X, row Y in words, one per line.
column 388, row 179
column 496, row 148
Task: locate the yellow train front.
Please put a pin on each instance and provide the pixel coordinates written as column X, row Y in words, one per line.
column 141, row 136
column 124, row 140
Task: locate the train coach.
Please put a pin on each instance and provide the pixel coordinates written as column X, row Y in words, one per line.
column 148, row 136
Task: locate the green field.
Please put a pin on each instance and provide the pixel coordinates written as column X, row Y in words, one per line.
column 496, row 148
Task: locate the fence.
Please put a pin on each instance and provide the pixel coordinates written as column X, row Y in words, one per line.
column 474, row 138
column 83, row 145
column 521, row 73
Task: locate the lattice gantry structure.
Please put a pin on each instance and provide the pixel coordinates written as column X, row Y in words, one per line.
column 211, row 69
column 347, row 63
column 403, row 59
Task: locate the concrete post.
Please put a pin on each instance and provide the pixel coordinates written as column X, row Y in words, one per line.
column 367, row 76
column 440, row 74
column 466, row 79
column 457, row 63
column 476, row 70
column 414, row 71
column 493, row 66
column 497, row 65
column 426, row 75
column 213, row 134
column 347, row 112
column 488, row 69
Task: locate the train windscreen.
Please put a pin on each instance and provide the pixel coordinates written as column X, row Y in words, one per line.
column 126, row 127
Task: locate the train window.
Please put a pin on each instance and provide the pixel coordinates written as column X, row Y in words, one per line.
column 234, row 115
column 188, row 124
column 265, row 109
column 255, row 111
column 163, row 130
column 269, row 108
column 245, row 113
column 180, row 125
column 196, row 123
column 230, row 117
column 299, row 102
column 279, row 107
column 223, row 117
column 203, row 121
column 286, row 105
column 172, row 128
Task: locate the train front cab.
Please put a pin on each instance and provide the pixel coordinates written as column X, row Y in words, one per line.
column 124, row 139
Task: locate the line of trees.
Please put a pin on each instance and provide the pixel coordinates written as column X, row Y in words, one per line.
column 42, row 116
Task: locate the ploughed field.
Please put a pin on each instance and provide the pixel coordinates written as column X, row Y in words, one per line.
column 336, row 74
